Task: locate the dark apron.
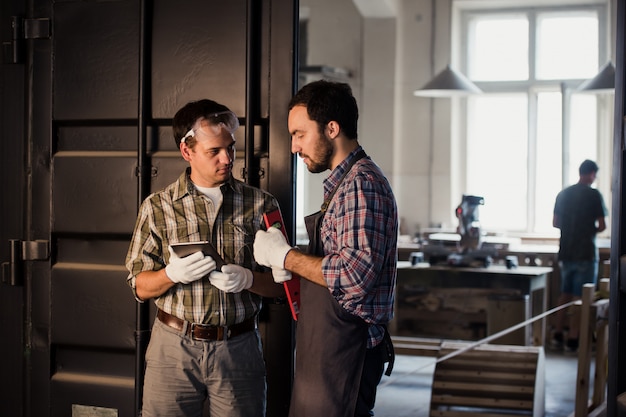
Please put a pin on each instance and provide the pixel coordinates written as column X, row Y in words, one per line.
column 330, row 347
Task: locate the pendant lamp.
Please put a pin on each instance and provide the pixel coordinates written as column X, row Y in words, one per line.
column 448, row 83
column 604, row 82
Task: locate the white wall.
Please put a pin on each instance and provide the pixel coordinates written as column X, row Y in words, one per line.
column 413, row 139
column 335, row 39
column 388, row 62
column 422, row 168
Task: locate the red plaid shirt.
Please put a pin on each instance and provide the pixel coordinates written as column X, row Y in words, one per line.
column 359, row 234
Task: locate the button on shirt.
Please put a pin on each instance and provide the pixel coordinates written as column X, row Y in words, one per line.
column 179, row 213
column 359, row 235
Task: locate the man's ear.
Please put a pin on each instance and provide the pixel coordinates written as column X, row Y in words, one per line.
column 333, row 129
column 185, row 151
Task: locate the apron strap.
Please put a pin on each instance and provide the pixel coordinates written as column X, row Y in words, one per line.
column 390, row 355
column 313, row 222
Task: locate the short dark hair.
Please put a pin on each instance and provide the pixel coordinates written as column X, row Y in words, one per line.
column 587, row 167
column 186, row 117
column 328, row 101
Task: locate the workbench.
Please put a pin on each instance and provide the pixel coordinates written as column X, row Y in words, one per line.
column 433, row 297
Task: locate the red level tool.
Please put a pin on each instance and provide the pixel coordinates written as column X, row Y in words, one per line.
column 292, row 287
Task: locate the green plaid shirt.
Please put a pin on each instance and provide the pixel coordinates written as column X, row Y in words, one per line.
column 179, row 213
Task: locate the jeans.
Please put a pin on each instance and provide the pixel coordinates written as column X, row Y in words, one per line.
column 574, row 274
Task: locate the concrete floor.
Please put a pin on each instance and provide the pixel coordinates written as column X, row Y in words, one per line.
column 406, row 393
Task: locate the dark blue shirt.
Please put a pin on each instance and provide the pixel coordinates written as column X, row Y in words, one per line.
column 577, row 208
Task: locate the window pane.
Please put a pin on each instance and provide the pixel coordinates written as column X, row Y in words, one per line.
column 549, row 167
column 497, row 158
column 583, row 133
column 567, row 45
column 498, row 48
column 518, row 171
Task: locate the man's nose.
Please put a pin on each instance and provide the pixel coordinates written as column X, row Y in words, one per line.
column 226, row 157
column 294, row 147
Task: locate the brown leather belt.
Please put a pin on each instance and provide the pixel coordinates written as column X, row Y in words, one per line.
column 206, row 331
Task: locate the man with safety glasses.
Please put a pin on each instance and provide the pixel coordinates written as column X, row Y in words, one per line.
column 205, row 346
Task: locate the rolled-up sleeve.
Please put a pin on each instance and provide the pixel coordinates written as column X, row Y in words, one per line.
column 144, row 252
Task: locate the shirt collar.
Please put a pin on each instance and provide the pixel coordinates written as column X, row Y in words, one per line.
column 185, row 185
column 335, row 176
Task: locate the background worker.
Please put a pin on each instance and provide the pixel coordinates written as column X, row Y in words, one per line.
column 349, row 275
column 579, row 212
column 205, row 345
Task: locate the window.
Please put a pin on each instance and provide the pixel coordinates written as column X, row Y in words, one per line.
column 530, row 130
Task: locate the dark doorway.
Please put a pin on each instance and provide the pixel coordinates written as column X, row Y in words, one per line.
column 88, row 90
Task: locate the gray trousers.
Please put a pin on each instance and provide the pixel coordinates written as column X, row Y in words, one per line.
column 182, row 373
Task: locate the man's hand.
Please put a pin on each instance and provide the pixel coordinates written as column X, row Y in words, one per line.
column 190, row 268
column 232, row 278
column 270, row 248
column 280, row 275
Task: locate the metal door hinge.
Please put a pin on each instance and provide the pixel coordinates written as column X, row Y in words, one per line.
column 244, row 173
column 146, row 171
column 13, row 51
column 21, row 251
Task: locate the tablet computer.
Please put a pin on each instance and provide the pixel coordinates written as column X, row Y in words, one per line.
column 187, row 248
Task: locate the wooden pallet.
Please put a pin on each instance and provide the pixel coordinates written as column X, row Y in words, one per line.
column 489, row 380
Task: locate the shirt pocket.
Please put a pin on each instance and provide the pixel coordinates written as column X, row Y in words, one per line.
column 188, row 233
column 242, row 235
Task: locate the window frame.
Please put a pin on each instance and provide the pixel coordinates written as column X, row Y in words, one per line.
column 532, row 87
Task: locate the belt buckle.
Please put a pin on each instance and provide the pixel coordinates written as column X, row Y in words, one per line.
column 193, row 334
column 191, row 331
column 225, row 329
column 226, row 333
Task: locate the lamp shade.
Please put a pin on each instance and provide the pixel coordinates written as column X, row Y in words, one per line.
column 603, row 82
column 448, row 83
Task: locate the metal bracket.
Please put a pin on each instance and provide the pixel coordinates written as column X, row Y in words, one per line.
column 20, row 251
column 13, row 51
column 146, row 170
column 244, row 173
column 37, row 28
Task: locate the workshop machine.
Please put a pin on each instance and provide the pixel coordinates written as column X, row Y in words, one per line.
column 469, row 224
column 468, row 249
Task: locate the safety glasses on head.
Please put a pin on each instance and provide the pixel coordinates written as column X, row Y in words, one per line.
column 213, row 124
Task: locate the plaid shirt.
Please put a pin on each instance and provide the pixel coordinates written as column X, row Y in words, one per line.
column 359, row 234
column 179, row 213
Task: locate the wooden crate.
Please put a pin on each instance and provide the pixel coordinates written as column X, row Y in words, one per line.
column 489, row 380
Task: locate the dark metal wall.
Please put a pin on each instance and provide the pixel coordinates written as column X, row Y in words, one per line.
column 616, row 383
column 88, row 92
column 12, row 182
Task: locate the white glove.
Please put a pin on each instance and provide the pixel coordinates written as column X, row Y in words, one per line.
column 190, row 268
column 280, row 275
column 232, row 278
column 270, row 248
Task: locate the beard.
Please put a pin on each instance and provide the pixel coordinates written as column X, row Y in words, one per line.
column 320, row 160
